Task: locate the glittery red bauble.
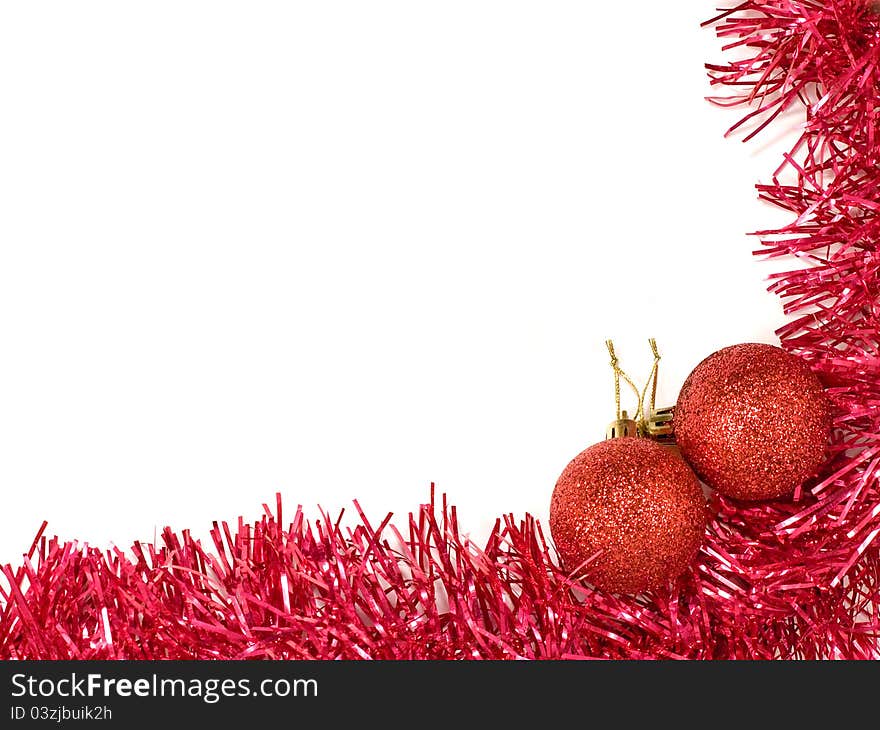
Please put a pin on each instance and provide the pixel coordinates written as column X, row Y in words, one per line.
column 634, row 503
column 753, row 421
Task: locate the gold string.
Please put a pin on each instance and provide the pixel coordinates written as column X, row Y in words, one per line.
column 618, row 374
column 652, row 381
column 640, row 415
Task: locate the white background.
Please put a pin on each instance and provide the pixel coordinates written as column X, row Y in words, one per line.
column 343, row 249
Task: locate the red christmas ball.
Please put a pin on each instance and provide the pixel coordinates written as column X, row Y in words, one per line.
column 753, row 421
column 634, row 506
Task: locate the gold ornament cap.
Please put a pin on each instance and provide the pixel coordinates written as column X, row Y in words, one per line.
column 622, row 427
column 658, row 425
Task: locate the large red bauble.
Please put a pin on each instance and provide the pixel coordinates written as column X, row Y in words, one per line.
column 633, row 506
column 753, row 421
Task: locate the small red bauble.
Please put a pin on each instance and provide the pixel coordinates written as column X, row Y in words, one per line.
column 753, row 421
column 633, row 505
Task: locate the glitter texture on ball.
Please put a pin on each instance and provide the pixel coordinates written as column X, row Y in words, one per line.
column 753, row 421
column 633, row 507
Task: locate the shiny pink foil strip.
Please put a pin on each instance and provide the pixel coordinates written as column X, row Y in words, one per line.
column 796, row 578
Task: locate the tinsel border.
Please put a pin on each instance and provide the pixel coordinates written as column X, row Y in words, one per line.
column 790, row 579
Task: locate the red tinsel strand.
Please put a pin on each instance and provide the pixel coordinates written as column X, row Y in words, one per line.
column 318, row 591
column 797, row 578
column 822, row 56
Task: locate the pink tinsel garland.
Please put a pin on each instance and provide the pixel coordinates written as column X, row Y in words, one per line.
column 795, row 578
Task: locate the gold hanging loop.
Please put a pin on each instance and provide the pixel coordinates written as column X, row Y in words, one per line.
column 652, row 382
column 656, row 423
column 623, row 425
